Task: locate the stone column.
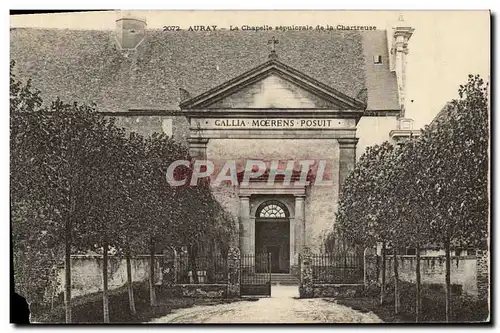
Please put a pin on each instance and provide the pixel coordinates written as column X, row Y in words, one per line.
column 251, row 234
column 198, row 147
column 293, row 236
column 245, row 228
column 347, row 158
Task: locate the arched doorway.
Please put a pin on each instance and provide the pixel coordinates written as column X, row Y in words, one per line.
column 272, row 234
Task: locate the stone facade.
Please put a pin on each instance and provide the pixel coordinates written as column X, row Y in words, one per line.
column 317, row 204
column 272, row 92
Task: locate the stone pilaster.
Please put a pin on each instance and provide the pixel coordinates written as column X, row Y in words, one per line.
column 483, row 275
column 347, row 158
column 198, row 147
column 300, row 222
column 245, row 229
column 306, row 279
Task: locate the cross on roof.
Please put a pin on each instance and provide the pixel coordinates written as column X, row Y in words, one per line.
column 273, row 41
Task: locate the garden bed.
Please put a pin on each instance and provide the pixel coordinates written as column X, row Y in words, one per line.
column 88, row 308
column 463, row 308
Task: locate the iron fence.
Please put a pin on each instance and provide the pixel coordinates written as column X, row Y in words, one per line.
column 337, row 269
column 202, row 269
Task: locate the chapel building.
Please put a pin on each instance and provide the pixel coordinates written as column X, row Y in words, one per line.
column 297, row 95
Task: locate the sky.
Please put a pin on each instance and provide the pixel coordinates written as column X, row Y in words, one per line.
column 445, row 47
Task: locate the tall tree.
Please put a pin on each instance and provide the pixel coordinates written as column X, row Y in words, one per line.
column 455, row 175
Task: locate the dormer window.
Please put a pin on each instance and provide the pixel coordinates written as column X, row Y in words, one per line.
column 377, row 59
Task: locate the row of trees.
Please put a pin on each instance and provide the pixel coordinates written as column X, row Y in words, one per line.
column 431, row 190
column 79, row 182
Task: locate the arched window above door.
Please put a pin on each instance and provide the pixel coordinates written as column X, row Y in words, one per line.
column 272, row 209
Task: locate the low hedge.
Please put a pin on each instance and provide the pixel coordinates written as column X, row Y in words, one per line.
column 464, row 308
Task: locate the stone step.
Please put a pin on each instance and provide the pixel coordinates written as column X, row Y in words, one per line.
column 284, row 279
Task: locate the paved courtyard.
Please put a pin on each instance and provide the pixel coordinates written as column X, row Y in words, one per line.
column 283, row 307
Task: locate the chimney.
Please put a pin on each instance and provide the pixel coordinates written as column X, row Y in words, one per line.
column 398, row 51
column 130, row 31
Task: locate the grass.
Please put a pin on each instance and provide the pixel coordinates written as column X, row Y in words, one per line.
column 463, row 308
column 88, row 308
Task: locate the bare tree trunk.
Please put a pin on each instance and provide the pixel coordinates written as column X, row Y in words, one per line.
column 382, row 286
column 131, row 300
column 396, row 282
column 52, row 295
column 448, row 286
column 105, row 301
column 152, row 293
column 67, row 271
column 418, row 278
column 192, row 253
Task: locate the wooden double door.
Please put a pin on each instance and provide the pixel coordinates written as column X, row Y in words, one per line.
column 272, row 236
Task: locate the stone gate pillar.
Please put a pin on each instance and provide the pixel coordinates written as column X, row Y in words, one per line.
column 233, row 272
column 483, row 274
column 306, row 279
column 370, row 266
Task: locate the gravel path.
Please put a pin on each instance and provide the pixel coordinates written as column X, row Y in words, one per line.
column 283, row 307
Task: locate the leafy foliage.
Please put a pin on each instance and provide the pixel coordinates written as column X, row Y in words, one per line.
column 433, row 188
column 74, row 172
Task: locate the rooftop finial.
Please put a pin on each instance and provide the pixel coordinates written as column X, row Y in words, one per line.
column 401, row 18
column 273, row 41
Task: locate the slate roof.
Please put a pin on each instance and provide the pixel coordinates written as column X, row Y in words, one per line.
column 86, row 66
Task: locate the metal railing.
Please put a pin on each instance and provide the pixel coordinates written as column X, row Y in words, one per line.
column 337, row 269
column 202, row 270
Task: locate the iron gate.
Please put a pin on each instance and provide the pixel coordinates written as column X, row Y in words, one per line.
column 255, row 274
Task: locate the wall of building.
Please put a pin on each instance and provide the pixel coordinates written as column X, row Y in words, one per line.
column 463, row 271
column 86, row 273
column 320, row 203
column 373, row 130
column 175, row 126
column 273, row 92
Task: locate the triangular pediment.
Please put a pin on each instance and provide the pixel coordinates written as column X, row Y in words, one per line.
column 273, row 85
